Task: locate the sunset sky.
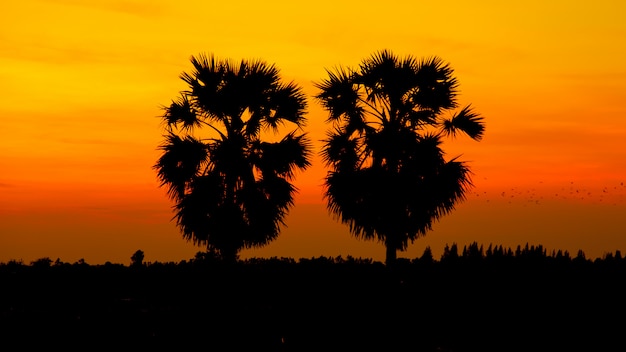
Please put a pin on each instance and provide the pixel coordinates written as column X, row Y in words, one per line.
column 82, row 83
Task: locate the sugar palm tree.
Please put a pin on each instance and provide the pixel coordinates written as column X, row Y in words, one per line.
column 389, row 178
column 227, row 158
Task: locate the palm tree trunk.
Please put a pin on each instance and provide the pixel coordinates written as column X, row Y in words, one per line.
column 229, row 255
column 391, row 254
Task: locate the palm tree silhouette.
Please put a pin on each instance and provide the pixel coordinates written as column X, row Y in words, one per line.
column 232, row 187
column 389, row 179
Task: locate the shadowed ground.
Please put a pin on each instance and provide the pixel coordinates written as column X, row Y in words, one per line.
column 318, row 304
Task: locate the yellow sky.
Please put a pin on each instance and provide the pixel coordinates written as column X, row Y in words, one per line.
column 81, row 83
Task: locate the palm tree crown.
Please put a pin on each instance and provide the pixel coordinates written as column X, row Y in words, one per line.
column 232, row 188
column 389, row 179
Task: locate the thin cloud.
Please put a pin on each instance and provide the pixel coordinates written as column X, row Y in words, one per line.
column 80, row 33
column 599, row 76
column 70, row 53
column 146, row 9
column 93, row 141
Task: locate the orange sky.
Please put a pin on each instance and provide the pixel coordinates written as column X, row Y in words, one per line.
column 81, row 82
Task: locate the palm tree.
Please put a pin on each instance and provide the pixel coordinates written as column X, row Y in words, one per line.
column 389, row 179
column 231, row 185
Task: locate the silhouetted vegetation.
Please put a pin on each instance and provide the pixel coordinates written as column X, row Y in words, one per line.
column 230, row 183
column 389, row 179
column 137, row 258
column 473, row 298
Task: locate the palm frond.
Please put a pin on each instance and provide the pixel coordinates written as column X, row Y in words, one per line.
column 284, row 157
column 451, row 184
column 289, row 103
column 181, row 111
column 436, row 87
column 181, row 160
column 420, row 118
column 338, row 93
column 467, row 121
column 340, row 151
column 388, row 79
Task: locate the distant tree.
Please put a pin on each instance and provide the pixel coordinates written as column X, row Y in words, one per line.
column 389, row 179
column 137, row 258
column 561, row 257
column 427, row 256
column 580, row 257
column 229, row 180
column 40, row 263
column 473, row 252
column 509, row 252
column 450, row 253
column 14, row 264
column 489, row 251
column 208, row 257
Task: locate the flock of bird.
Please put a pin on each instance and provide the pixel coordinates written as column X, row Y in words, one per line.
column 612, row 194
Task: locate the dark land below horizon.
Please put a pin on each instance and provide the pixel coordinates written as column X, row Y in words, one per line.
column 494, row 300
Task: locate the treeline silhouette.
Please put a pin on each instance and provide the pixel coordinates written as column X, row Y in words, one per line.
column 474, row 252
column 470, row 299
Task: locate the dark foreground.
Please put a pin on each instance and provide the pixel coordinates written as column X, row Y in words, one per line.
column 319, row 304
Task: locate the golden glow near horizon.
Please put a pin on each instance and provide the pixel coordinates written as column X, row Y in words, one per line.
column 82, row 82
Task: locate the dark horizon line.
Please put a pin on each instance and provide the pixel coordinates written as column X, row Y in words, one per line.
column 450, row 252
